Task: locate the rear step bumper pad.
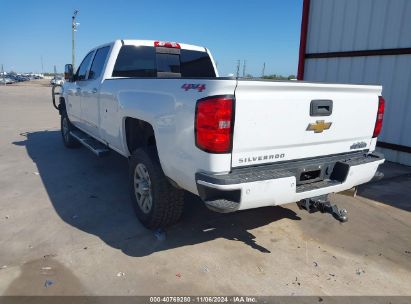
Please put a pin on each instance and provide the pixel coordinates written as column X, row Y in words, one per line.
column 277, row 184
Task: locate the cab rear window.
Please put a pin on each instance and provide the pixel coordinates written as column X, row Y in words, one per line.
column 196, row 64
column 135, row 61
column 168, row 63
column 143, row 61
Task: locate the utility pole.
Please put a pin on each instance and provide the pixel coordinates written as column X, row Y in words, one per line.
column 238, row 68
column 244, row 68
column 2, row 72
column 73, row 29
column 55, row 72
column 263, row 73
column 42, row 67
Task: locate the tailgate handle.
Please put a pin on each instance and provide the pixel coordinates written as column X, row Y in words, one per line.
column 321, row 107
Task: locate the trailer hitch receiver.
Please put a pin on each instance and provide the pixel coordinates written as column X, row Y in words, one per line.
column 322, row 204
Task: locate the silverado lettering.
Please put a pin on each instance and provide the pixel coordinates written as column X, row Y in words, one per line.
column 260, row 158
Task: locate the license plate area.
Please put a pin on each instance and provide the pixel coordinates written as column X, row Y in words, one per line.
column 310, row 174
column 323, row 171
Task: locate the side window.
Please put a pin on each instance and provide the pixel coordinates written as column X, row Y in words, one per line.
column 82, row 69
column 135, row 61
column 98, row 63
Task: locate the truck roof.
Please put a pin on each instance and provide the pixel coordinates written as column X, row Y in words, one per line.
column 137, row 42
column 151, row 43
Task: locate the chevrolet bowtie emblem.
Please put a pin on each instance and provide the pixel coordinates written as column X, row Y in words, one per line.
column 319, row 126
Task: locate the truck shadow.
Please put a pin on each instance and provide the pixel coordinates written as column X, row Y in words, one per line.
column 390, row 190
column 91, row 194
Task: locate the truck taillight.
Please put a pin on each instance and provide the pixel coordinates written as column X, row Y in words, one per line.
column 214, row 123
column 380, row 116
column 166, row 44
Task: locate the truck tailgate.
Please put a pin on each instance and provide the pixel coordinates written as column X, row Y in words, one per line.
column 274, row 120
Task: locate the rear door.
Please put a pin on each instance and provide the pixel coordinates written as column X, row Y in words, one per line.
column 90, row 106
column 280, row 121
column 74, row 91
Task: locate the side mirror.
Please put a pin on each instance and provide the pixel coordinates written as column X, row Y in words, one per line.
column 68, row 72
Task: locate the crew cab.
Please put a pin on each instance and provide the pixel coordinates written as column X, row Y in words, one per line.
column 236, row 143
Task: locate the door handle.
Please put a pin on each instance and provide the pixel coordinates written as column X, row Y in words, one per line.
column 94, row 91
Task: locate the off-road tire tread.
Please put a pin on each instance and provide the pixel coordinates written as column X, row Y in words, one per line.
column 168, row 202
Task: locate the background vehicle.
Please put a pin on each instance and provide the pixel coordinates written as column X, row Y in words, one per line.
column 57, row 81
column 6, row 80
column 238, row 144
column 17, row 77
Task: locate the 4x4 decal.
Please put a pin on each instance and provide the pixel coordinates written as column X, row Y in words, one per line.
column 193, row 86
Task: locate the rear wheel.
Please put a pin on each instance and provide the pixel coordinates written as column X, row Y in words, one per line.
column 66, row 127
column 156, row 202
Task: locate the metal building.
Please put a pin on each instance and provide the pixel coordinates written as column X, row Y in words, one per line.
column 364, row 42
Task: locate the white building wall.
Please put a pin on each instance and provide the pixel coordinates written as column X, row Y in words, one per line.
column 361, row 25
column 354, row 25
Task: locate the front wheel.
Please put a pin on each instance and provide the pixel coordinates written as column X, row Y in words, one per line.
column 66, row 127
column 156, row 202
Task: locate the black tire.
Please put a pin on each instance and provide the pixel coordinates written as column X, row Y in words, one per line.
column 167, row 202
column 66, row 126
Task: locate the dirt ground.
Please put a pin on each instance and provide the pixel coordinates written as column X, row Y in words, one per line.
column 67, row 228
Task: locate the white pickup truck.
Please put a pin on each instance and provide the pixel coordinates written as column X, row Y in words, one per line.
column 236, row 143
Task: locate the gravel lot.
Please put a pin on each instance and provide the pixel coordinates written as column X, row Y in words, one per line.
column 67, row 227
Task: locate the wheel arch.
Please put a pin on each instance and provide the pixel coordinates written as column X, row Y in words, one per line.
column 138, row 134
